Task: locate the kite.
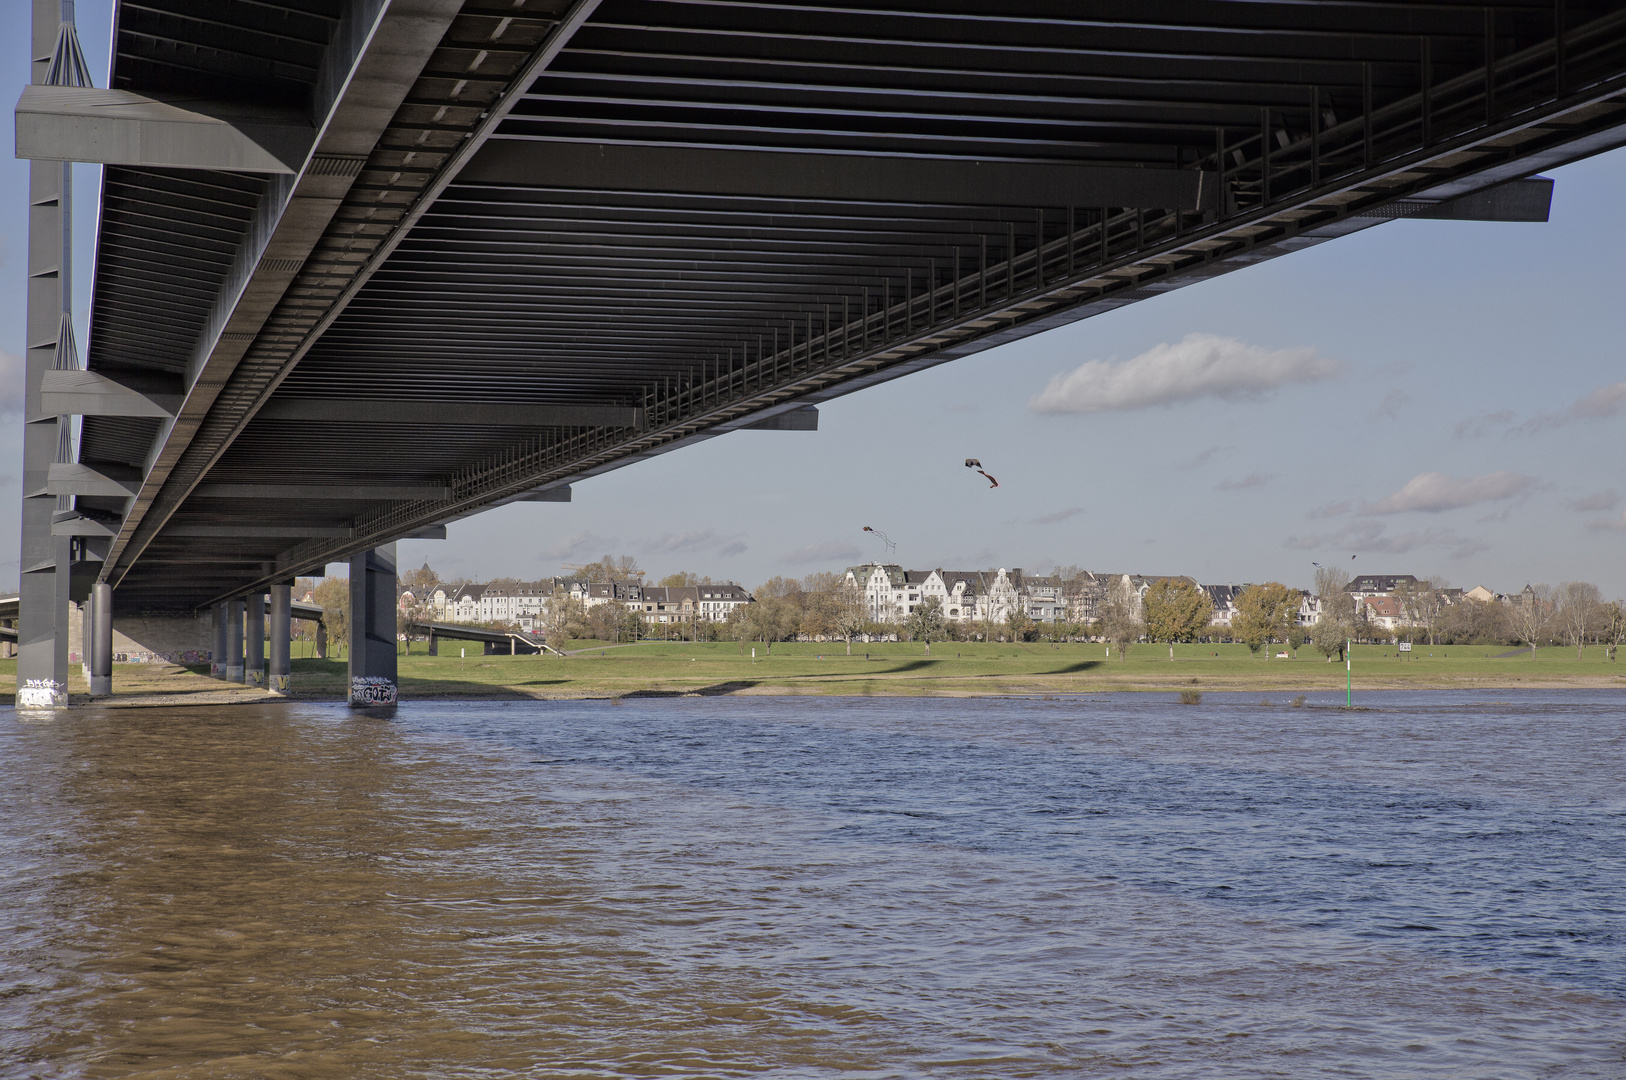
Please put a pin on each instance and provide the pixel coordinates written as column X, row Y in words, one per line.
column 973, row 463
column 890, row 546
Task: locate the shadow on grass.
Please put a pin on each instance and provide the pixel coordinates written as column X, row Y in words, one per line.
column 913, row 665
column 1073, row 669
column 714, row 690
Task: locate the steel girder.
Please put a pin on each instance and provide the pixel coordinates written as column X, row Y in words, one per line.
column 454, row 282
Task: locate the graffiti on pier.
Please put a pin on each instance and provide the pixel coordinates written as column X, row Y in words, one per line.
column 372, row 690
column 41, row 694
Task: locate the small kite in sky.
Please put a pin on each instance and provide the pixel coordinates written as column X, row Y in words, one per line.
column 973, row 463
column 890, row 546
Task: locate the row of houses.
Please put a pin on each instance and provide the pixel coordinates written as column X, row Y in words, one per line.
column 525, row 603
column 891, row 593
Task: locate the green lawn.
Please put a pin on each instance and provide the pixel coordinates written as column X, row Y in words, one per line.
column 952, row 668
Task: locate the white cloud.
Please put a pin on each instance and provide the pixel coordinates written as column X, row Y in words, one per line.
column 11, row 383
column 1616, row 524
column 1247, row 483
column 1332, row 509
column 1372, row 536
column 1432, row 492
column 1056, row 517
column 1199, row 366
column 700, row 540
column 1203, row 458
column 1602, row 500
column 582, row 543
column 1390, row 406
column 831, row 551
column 1477, row 427
column 1599, row 404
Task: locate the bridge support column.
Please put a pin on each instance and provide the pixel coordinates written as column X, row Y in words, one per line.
column 86, row 621
column 281, row 663
column 254, row 642
column 99, row 646
column 217, row 659
column 434, row 644
column 321, row 641
column 234, row 641
column 372, row 628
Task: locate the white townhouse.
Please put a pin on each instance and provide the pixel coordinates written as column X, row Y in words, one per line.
column 1224, row 598
column 465, row 606
column 892, row 593
column 718, row 602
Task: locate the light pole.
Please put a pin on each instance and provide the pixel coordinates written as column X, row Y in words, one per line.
column 1349, row 673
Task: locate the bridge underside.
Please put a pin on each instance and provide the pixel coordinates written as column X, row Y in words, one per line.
column 533, row 242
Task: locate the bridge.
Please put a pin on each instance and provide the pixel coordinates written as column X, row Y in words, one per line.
column 368, row 267
column 514, row 642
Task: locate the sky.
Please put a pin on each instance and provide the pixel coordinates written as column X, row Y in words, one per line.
column 1441, row 398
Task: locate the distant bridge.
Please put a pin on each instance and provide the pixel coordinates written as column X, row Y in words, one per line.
column 367, row 268
column 515, row 641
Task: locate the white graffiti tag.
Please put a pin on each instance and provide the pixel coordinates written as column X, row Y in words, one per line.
column 372, row 690
column 41, row 694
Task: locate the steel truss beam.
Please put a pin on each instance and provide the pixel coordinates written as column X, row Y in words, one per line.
column 1027, row 294
column 768, row 174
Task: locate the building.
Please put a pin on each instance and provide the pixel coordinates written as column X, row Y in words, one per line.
column 1379, row 585
column 717, row 602
column 1384, row 611
column 892, row 594
column 1224, row 598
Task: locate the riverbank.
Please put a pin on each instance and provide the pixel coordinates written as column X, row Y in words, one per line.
column 903, row 669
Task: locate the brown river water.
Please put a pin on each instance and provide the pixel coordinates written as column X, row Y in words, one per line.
column 1102, row 886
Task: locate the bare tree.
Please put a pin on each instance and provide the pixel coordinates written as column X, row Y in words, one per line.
column 1530, row 614
column 1612, row 628
column 1332, row 589
column 1579, row 606
column 1120, row 617
column 1336, row 623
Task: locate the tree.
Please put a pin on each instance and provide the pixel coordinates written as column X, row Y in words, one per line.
column 824, row 598
column 1332, row 590
column 1176, row 610
column 563, row 614
column 1579, row 605
column 619, row 568
column 1120, row 619
column 926, row 621
column 1422, row 603
column 1529, row 615
column 850, row 616
column 1265, row 613
column 1612, row 628
column 1330, row 636
column 613, row 622
column 1336, row 623
column 334, row 595
column 684, row 578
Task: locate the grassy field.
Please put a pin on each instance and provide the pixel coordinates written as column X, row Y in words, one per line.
column 952, row 669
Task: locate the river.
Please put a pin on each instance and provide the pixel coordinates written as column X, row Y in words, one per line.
column 1111, row 885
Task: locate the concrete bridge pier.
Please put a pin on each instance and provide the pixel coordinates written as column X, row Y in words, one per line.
column 99, row 642
column 372, row 628
column 217, row 658
column 281, row 633
column 234, row 641
column 254, row 641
